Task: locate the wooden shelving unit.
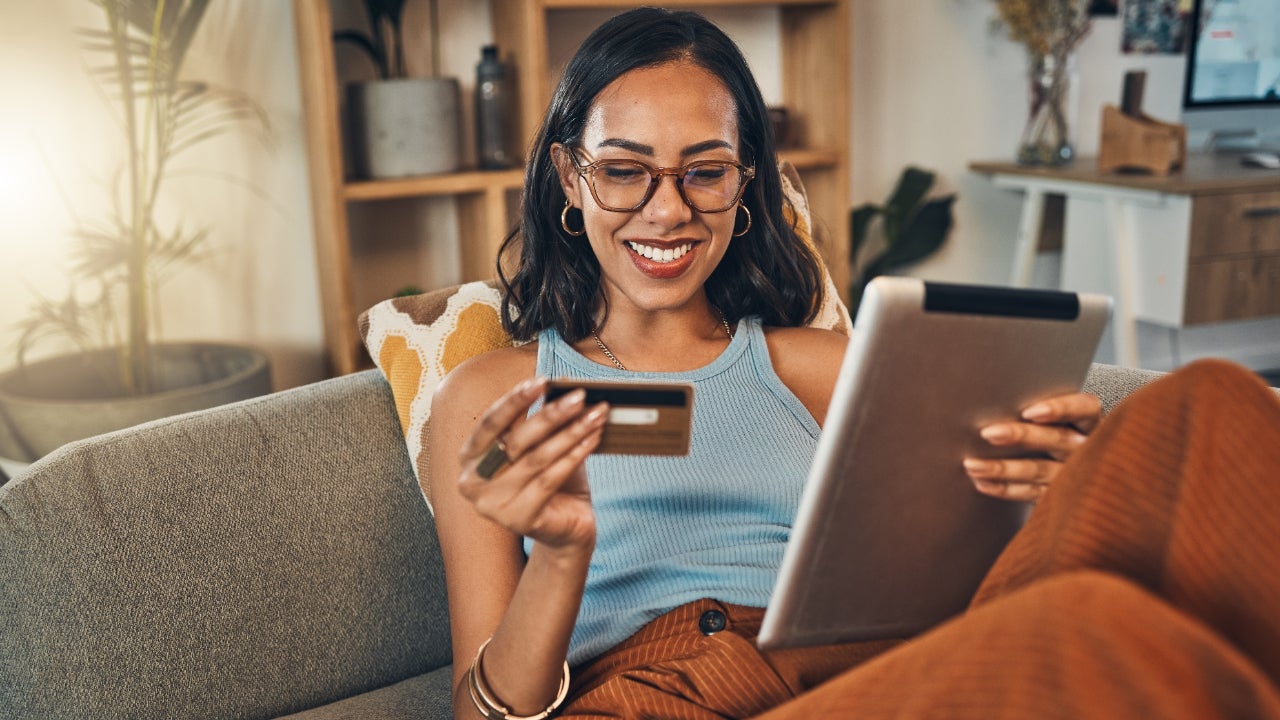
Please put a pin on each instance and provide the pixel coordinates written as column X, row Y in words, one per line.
column 815, row 80
column 482, row 197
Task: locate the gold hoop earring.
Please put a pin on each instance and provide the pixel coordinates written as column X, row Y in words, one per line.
column 744, row 230
column 564, row 221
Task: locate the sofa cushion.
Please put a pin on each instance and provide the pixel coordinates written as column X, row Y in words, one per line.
column 424, row 697
column 417, row 340
column 253, row 560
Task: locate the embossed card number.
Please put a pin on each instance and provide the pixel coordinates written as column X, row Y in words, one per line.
column 644, row 418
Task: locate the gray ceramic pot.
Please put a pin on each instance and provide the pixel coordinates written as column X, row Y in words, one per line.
column 49, row 403
column 403, row 127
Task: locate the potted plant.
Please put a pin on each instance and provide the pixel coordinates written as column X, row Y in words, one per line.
column 400, row 125
column 911, row 228
column 119, row 375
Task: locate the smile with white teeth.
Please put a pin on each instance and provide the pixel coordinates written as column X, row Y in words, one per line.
column 659, row 254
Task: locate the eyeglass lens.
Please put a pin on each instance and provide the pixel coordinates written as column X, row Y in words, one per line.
column 706, row 186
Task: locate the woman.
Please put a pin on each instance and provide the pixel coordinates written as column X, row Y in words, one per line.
column 652, row 246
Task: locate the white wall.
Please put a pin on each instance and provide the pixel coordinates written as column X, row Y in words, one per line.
column 943, row 88
column 932, row 85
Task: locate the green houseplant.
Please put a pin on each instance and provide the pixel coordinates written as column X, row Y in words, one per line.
column 120, row 260
column 907, row 228
column 400, row 125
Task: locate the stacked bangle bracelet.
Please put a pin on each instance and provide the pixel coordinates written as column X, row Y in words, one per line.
column 491, row 708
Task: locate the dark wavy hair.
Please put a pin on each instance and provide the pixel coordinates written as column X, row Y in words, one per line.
column 768, row 272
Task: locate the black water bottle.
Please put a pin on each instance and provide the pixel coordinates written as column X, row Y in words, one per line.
column 493, row 102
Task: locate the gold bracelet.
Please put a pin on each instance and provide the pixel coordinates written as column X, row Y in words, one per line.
column 491, row 708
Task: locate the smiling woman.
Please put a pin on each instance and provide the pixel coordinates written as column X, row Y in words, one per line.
column 653, row 246
column 633, row 219
column 710, row 110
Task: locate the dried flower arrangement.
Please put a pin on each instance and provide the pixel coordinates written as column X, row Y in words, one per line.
column 1050, row 30
column 1046, row 27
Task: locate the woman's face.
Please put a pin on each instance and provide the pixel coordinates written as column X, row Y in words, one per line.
column 659, row 256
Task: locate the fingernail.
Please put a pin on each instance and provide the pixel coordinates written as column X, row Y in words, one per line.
column 988, row 487
column 1038, row 412
column 996, row 433
column 977, row 466
column 598, row 412
column 573, row 399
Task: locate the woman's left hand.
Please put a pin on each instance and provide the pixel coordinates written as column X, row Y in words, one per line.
column 1049, row 432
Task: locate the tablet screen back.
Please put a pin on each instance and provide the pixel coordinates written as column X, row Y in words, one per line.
column 891, row 537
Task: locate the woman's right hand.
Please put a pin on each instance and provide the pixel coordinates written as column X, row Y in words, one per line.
column 542, row 491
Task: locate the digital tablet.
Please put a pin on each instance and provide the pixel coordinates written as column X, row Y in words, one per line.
column 891, row 537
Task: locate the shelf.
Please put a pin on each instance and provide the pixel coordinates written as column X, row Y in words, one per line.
column 462, row 183
column 804, row 159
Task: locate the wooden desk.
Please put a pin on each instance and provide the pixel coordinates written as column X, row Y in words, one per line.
column 1199, row 246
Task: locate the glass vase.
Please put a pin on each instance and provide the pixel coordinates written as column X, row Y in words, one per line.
column 1046, row 140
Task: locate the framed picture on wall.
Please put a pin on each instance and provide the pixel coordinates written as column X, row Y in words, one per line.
column 1154, row 27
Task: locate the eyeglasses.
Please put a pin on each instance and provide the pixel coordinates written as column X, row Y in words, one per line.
column 708, row 186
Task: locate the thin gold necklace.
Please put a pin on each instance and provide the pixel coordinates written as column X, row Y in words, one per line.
column 618, row 363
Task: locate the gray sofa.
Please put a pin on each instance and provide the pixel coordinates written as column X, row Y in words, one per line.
column 263, row 559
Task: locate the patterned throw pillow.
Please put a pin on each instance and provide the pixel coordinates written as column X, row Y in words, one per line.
column 418, row 340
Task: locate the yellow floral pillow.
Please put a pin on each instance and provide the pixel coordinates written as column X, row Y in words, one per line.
column 418, row 340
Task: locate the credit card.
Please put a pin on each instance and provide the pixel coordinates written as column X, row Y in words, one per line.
column 644, row 418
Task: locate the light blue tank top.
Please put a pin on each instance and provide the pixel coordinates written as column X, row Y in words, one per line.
column 711, row 525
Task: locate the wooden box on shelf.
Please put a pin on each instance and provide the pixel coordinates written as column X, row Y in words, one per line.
column 1140, row 143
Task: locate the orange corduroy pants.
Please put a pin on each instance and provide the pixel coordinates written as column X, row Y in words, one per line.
column 1146, row 584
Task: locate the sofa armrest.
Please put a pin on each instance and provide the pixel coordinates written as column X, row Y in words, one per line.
column 251, row 560
column 1113, row 383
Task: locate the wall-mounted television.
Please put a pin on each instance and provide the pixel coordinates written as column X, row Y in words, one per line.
column 1231, row 98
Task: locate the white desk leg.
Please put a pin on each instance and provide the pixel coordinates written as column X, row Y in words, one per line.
column 1120, row 239
column 1024, row 249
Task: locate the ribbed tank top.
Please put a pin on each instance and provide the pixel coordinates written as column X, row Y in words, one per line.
column 713, row 524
